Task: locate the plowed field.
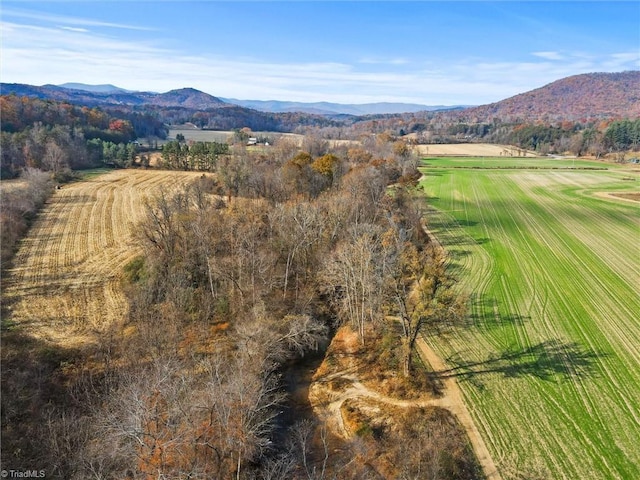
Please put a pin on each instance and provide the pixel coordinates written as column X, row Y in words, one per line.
column 549, row 361
column 65, row 280
column 472, row 149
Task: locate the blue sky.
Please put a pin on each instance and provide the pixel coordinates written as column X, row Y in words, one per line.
column 429, row 52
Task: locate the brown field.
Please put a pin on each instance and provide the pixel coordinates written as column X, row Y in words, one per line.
column 8, row 186
column 64, row 283
column 470, row 150
column 634, row 197
column 222, row 136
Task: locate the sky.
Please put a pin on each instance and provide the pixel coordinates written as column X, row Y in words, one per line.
column 426, row 52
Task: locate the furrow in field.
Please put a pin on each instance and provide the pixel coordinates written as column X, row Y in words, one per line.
column 597, row 274
column 587, row 287
column 65, row 274
column 554, row 278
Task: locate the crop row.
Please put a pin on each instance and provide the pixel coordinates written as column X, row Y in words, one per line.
column 65, row 279
column 548, row 361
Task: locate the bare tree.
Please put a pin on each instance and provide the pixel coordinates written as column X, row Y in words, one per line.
column 234, row 172
column 54, row 159
column 355, row 275
column 298, row 228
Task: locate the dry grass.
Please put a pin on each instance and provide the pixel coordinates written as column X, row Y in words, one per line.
column 8, row 186
column 64, row 283
column 471, row 150
column 635, row 196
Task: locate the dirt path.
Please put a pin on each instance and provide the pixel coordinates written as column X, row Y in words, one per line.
column 630, row 197
column 453, row 401
column 331, row 413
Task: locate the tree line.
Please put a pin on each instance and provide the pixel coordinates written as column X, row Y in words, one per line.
column 202, row 156
column 19, row 205
column 59, row 137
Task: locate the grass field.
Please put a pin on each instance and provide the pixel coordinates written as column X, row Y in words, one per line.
column 549, row 361
column 517, row 163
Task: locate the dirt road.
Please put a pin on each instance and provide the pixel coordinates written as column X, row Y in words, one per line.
column 453, row 401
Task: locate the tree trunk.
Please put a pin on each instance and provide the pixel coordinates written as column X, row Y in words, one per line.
column 407, row 350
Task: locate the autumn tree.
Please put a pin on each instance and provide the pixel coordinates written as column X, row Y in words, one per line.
column 328, row 167
column 424, row 295
column 297, row 173
column 234, row 172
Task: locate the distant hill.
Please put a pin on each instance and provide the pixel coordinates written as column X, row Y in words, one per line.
column 106, row 88
column 76, row 96
column 187, row 98
column 590, row 95
column 191, row 98
column 184, row 97
column 327, row 108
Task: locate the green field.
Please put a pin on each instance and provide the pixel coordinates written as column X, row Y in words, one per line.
column 517, row 163
column 549, row 360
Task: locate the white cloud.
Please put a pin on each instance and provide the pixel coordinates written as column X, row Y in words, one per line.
column 63, row 19
column 384, row 61
column 623, row 61
column 75, row 29
column 39, row 55
column 549, row 55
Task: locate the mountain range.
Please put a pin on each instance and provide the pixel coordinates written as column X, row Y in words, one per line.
column 328, row 108
column 94, row 95
column 592, row 95
column 192, row 98
column 105, row 88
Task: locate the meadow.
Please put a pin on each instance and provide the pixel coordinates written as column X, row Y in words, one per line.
column 548, row 359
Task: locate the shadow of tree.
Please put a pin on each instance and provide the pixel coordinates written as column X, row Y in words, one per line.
column 453, row 232
column 546, row 360
column 36, row 385
column 487, row 315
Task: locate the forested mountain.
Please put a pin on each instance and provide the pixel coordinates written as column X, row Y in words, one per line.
column 175, row 107
column 580, row 97
column 77, row 97
column 591, row 95
column 184, row 97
